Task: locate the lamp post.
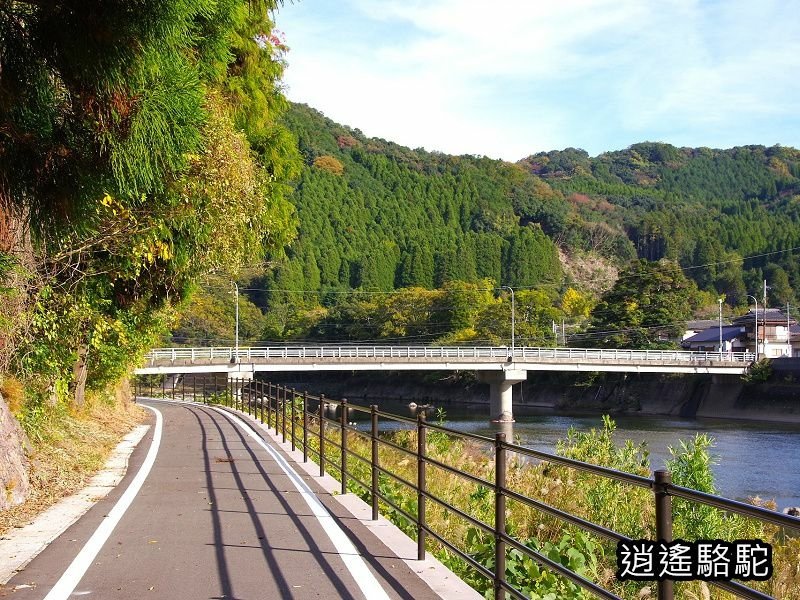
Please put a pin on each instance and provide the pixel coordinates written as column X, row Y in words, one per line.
column 756, row 303
column 236, row 354
column 720, row 328
column 513, row 315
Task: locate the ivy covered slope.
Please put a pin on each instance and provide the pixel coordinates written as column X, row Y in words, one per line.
column 139, row 149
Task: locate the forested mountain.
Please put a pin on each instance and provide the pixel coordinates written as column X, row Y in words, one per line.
column 375, row 217
column 705, row 208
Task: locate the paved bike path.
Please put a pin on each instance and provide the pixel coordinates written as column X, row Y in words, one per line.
column 218, row 517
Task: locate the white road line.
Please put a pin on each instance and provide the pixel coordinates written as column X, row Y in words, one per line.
column 354, row 562
column 77, row 569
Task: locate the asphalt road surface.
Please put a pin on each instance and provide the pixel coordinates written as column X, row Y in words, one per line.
column 208, row 509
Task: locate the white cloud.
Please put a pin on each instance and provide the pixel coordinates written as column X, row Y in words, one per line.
column 514, row 77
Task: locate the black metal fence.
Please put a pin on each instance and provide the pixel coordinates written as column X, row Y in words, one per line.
column 288, row 411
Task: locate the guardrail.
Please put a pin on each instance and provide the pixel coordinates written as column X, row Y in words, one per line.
column 303, row 419
column 443, row 352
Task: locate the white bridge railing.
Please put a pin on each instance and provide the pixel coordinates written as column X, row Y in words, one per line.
column 399, row 353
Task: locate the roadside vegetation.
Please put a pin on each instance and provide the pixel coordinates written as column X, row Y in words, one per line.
column 622, row 507
column 66, row 447
column 135, row 159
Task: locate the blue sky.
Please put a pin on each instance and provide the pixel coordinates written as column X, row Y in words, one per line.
column 509, row 78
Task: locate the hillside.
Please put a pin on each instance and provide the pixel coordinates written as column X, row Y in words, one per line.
column 377, row 217
column 705, row 208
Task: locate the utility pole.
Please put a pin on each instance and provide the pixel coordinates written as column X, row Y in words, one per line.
column 756, row 322
column 513, row 316
column 765, row 317
column 720, row 328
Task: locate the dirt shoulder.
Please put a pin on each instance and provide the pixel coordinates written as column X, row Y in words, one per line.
column 68, row 451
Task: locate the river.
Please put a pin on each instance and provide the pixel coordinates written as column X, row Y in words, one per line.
column 753, row 458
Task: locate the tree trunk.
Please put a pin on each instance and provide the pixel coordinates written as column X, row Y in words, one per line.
column 79, row 372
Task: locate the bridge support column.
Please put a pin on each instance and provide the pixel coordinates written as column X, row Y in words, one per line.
column 241, row 372
column 500, row 392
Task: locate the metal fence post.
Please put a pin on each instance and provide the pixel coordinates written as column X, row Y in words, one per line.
column 269, row 404
column 499, row 514
column 305, row 426
column 663, row 478
column 283, row 412
column 278, row 392
column 321, row 435
column 293, row 419
column 343, row 425
column 421, row 470
column 374, row 466
column 260, row 386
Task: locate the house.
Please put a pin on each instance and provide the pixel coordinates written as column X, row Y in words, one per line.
column 695, row 327
column 775, row 333
column 777, row 336
column 707, row 340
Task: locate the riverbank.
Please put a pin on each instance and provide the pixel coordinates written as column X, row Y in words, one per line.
column 617, row 394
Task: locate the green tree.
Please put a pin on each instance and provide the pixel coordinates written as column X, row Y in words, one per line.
column 646, row 308
column 131, row 151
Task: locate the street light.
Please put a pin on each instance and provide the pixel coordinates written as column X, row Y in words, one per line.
column 513, row 315
column 236, row 354
column 720, row 328
column 756, row 303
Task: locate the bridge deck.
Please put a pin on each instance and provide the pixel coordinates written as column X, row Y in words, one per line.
column 399, row 358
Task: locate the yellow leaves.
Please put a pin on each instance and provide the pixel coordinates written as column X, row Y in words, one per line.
column 329, row 164
column 107, row 330
column 148, row 252
column 575, row 304
column 117, row 208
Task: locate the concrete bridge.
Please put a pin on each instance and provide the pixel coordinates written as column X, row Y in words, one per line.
column 500, row 367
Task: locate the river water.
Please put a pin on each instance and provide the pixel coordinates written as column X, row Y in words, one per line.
column 753, row 458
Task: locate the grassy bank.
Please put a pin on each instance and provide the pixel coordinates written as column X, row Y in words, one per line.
column 67, row 447
column 626, row 509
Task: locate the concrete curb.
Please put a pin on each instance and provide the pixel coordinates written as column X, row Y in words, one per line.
column 20, row 546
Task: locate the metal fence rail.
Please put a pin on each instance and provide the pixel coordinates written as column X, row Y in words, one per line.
column 311, row 415
column 443, row 352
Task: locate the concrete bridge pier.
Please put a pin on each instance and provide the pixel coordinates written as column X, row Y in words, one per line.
column 239, row 379
column 500, row 392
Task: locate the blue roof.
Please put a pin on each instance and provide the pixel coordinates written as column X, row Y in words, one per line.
column 729, row 332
